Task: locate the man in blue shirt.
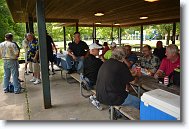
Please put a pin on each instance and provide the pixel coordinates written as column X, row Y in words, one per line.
column 131, row 57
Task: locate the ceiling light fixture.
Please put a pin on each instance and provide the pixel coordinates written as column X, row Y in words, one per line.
column 98, row 23
column 143, row 18
column 116, row 24
column 98, row 14
column 151, row 0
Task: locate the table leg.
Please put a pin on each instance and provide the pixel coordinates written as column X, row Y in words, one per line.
column 111, row 113
column 138, row 91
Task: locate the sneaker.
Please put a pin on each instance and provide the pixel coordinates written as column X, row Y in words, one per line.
column 20, row 80
column 16, row 92
column 97, row 104
column 33, row 80
column 53, row 73
column 37, row 82
column 92, row 97
column 26, row 73
column 5, row 91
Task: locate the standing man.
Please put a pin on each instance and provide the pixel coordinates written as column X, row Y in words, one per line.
column 33, row 56
column 159, row 51
column 9, row 54
column 76, row 52
column 50, row 50
column 25, row 45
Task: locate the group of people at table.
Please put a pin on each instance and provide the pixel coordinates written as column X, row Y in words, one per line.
column 111, row 72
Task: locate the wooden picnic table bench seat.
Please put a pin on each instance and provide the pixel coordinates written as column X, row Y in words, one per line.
column 128, row 111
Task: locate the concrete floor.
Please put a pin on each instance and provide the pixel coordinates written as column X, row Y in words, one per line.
column 67, row 103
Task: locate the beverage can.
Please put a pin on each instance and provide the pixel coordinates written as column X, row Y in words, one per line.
column 166, row 80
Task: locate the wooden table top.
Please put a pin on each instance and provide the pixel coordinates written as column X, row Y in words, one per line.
column 149, row 83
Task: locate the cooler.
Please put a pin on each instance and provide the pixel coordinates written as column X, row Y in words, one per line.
column 159, row 105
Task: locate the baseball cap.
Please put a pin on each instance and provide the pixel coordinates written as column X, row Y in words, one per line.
column 113, row 44
column 94, row 46
column 8, row 35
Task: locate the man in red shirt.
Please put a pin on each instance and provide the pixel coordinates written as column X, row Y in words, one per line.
column 170, row 62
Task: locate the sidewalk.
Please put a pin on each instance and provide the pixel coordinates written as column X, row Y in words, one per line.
column 67, row 103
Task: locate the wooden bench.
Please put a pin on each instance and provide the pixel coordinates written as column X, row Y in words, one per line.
column 76, row 76
column 130, row 112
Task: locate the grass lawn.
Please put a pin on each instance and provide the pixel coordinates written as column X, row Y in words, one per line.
column 1, row 70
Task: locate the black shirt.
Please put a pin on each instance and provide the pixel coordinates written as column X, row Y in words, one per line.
column 78, row 49
column 91, row 67
column 111, row 82
column 49, row 44
column 160, row 53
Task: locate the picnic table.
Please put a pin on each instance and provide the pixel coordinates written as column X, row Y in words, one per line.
column 149, row 83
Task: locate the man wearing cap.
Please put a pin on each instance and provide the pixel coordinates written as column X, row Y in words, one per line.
column 108, row 54
column 92, row 64
column 9, row 53
column 76, row 52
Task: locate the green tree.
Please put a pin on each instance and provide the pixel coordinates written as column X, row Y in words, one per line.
column 7, row 24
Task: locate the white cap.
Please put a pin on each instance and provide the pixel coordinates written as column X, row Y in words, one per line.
column 94, row 46
column 113, row 44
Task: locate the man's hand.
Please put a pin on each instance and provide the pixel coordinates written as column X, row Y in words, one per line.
column 158, row 74
column 74, row 57
column 35, row 59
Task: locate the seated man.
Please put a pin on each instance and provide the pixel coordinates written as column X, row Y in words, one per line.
column 59, row 55
column 92, row 64
column 159, row 51
column 76, row 52
column 131, row 57
column 105, row 49
column 170, row 62
column 108, row 54
column 149, row 61
column 111, row 82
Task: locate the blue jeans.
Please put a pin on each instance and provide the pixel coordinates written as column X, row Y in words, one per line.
column 78, row 66
column 11, row 67
column 132, row 101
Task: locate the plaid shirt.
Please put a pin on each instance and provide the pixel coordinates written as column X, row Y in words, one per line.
column 151, row 64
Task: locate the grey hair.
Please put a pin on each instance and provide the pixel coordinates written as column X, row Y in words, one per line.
column 119, row 53
column 173, row 48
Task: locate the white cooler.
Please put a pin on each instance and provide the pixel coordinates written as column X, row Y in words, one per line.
column 159, row 105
